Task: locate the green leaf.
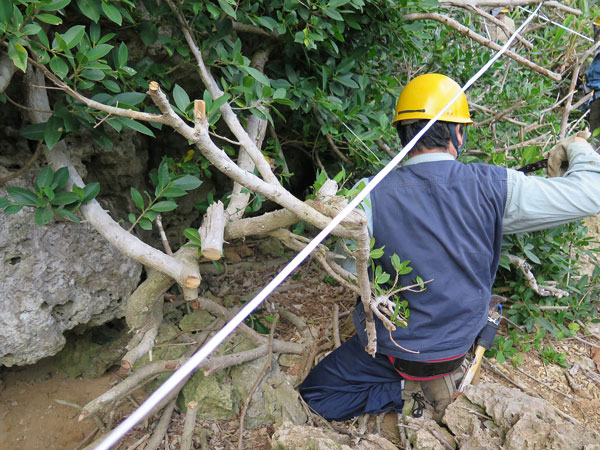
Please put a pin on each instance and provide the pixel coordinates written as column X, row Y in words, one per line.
column 137, row 198
column 53, row 131
column 61, row 177
column 6, row 12
column 18, row 54
column 55, row 5
column 73, row 36
column 65, row 198
column 531, row 256
column 4, row 202
column 500, row 357
column 267, row 22
column 111, row 86
column 93, row 74
column 163, row 177
column 337, row 3
column 219, row 102
column 113, row 13
column 31, row 28
column 129, row 98
column 22, row 196
column 574, row 326
column 49, row 18
column 133, row 125
column 122, row 55
column 89, row 8
column 44, row 178
column 90, row 191
column 67, row 214
column 131, row 218
column 59, row 67
column 145, row 224
column 98, row 51
column 335, row 15
column 182, row 100
column 187, row 182
column 164, row 206
column 257, row 75
column 376, row 253
column 193, row 235
column 227, row 9
column 172, row 192
column 13, row 209
column 43, row 216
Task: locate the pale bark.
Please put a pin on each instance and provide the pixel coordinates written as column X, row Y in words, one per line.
column 7, row 70
column 211, row 232
column 544, row 291
column 493, row 3
column 93, row 212
column 483, row 41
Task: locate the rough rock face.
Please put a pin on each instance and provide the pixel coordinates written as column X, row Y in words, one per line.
column 62, row 275
column 493, row 416
column 53, row 279
column 295, row 437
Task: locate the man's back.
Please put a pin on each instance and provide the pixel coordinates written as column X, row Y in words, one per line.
column 446, row 218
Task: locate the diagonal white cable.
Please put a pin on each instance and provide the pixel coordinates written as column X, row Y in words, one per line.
column 570, row 30
column 185, row 370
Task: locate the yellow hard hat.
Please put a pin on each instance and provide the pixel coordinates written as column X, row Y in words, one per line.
column 426, row 95
column 597, row 22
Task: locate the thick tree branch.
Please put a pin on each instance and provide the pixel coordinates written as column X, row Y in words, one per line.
column 93, row 212
column 483, row 41
column 492, row 3
column 501, row 24
column 227, row 113
column 7, row 70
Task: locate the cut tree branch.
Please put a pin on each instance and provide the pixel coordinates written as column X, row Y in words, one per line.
column 544, row 291
column 483, row 41
column 510, row 3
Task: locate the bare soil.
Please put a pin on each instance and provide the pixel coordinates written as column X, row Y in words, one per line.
column 32, row 419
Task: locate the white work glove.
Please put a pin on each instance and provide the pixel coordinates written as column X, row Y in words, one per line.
column 558, row 160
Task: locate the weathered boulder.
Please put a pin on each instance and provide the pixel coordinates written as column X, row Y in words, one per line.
column 55, row 278
column 62, row 275
column 296, row 437
column 493, row 416
column 222, row 395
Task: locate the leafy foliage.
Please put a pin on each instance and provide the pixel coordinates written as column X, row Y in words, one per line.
column 334, row 70
column 49, row 197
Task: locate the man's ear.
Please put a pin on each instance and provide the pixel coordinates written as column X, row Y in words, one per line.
column 459, row 135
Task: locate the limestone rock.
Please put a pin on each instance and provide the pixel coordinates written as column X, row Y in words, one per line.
column 55, row 278
column 493, row 416
column 296, row 437
column 196, row 320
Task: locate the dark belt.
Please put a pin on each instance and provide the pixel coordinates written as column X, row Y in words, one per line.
column 423, row 369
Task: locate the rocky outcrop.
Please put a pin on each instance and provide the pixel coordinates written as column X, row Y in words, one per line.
column 491, row 416
column 296, row 437
column 63, row 275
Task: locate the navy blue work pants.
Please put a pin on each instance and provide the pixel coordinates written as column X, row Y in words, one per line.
column 349, row 383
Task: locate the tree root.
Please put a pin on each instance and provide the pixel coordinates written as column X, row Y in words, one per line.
column 143, row 342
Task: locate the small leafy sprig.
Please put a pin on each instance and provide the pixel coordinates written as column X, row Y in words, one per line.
column 169, row 185
column 50, row 196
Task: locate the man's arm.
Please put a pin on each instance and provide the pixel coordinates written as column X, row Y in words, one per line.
column 535, row 203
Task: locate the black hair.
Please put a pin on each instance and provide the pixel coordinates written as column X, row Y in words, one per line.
column 438, row 136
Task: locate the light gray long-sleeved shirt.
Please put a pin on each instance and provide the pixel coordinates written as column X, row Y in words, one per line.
column 535, row 203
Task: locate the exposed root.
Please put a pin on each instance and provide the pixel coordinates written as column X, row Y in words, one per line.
column 140, row 347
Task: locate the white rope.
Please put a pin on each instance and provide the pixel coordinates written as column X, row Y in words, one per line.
column 186, row 369
column 543, row 17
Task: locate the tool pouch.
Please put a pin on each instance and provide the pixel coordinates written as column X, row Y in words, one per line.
column 487, row 335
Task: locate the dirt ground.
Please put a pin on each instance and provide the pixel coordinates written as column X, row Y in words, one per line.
column 32, row 419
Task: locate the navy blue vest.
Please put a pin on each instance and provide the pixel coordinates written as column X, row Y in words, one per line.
column 446, row 218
